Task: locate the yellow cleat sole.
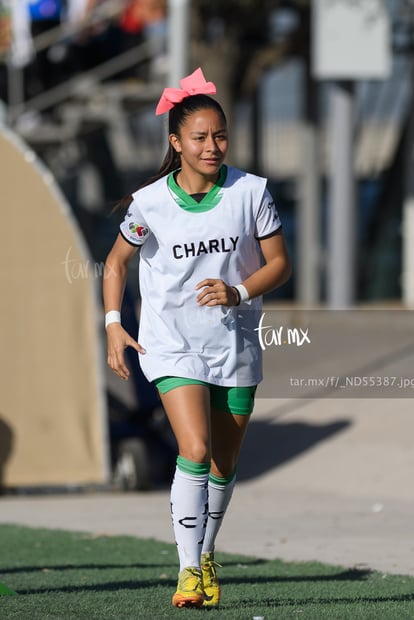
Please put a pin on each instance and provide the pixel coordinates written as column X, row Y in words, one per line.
column 178, row 600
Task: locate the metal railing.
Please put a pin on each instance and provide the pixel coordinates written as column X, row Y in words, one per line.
column 81, row 84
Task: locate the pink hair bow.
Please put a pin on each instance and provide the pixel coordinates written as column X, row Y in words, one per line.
column 194, row 84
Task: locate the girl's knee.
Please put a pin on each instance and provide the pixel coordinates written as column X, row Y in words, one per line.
column 224, row 469
column 196, row 452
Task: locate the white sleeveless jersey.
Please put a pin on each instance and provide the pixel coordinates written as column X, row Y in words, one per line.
column 184, row 242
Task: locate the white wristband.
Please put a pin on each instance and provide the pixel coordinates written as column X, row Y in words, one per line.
column 113, row 316
column 244, row 295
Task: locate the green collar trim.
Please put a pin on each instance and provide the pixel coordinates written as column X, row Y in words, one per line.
column 208, row 202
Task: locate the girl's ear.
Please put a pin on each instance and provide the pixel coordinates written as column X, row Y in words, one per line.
column 175, row 142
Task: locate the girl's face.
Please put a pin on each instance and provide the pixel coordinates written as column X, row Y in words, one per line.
column 202, row 143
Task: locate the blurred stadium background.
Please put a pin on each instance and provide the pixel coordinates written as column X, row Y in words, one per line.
column 84, row 102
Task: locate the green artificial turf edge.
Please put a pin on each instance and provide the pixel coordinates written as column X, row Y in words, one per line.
column 63, row 575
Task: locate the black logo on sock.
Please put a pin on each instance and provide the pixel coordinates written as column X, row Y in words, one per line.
column 188, row 525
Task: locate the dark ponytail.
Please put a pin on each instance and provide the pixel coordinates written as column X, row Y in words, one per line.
column 171, row 162
column 176, row 118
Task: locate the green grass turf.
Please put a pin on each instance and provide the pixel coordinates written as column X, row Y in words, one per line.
column 72, row 576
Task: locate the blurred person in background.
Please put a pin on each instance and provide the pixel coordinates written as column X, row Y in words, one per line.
column 97, row 42
column 46, row 70
column 136, row 21
column 153, row 15
column 16, row 44
column 5, row 29
column 145, row 21
column 5, row 45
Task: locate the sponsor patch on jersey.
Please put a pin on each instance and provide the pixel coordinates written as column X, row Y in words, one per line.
column 138, row 230
column 135, row 233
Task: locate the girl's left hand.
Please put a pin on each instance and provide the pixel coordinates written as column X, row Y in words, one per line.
column 216, row 292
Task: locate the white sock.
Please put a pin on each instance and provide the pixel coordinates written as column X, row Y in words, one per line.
column 219, row 496
column 189, row 510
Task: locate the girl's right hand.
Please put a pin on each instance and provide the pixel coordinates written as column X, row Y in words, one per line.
column 118, row 340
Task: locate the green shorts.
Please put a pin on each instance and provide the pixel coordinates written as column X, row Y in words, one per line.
column 238, row 400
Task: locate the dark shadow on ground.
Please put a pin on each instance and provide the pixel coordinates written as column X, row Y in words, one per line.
column 348, row 575
column 69, row 567
column 312, row 602
column 269, row 444
column 294, row 602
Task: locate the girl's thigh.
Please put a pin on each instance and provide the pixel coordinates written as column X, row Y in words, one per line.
column 188, row 411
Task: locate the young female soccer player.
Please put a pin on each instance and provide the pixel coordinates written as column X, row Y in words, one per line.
column 210, row 244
